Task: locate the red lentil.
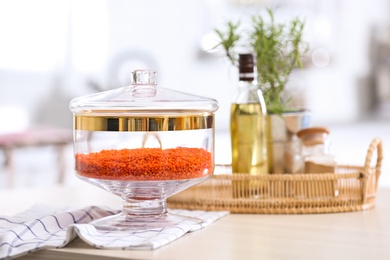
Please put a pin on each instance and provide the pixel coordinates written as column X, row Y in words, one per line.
column 145, row 164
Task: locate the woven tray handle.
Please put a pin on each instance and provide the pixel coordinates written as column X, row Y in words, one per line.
column 376, row 145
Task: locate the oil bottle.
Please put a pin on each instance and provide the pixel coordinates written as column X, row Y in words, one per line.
column 247, row 123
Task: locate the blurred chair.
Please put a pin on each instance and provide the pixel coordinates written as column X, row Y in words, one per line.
column 35, row 136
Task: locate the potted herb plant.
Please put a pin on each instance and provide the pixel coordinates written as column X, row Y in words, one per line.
column 278, row 48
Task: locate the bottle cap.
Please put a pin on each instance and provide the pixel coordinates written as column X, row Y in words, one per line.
column 246, row 65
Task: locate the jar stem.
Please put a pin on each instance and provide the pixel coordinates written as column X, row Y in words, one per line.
column 132, row 207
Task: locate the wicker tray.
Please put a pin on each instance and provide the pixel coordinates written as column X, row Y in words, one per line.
column 351, row 188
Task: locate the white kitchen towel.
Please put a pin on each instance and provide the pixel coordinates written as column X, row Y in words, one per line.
column 43, row 227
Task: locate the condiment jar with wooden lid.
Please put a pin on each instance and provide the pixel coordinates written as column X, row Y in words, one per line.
column 315, row 150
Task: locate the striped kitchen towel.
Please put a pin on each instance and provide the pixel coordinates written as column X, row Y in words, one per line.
column 43, row 227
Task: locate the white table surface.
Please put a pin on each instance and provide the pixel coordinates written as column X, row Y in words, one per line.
column 356, row 235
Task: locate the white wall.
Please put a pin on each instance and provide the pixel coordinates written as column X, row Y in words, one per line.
column 103, row 40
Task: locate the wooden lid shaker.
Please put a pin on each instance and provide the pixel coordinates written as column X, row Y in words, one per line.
column 315, row 150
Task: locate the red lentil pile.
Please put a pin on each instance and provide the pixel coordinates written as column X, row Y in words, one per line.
column 145, row 164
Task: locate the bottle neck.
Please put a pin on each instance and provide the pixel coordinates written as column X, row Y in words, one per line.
column 247, row 80
column 245, row 84
column 246, row 76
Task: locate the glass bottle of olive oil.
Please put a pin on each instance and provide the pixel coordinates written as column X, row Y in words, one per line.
column 247, row 126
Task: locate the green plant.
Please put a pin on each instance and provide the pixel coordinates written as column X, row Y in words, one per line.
column 278, row 48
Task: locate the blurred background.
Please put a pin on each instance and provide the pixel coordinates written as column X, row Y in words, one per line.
column 53, row 51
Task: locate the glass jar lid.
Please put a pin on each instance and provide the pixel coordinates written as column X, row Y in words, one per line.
column 143, row 106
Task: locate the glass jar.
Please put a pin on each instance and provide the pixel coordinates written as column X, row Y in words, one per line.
column 315, row 150
column 143, row 143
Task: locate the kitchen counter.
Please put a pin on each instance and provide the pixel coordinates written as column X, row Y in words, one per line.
column 356, row 235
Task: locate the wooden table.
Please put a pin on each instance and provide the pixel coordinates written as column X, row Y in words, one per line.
column 357, row 235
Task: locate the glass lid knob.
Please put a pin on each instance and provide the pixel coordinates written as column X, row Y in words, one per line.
column 144, row 83
column 144, row 77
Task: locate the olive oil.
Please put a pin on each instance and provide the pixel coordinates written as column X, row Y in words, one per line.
column 248, row 139
column 248, row 132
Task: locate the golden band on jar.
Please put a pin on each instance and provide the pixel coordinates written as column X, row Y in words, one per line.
column 129, row 124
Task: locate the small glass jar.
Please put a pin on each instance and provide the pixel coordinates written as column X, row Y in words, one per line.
column 315, row 150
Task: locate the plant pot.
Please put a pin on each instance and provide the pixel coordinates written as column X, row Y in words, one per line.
column 283, row 145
